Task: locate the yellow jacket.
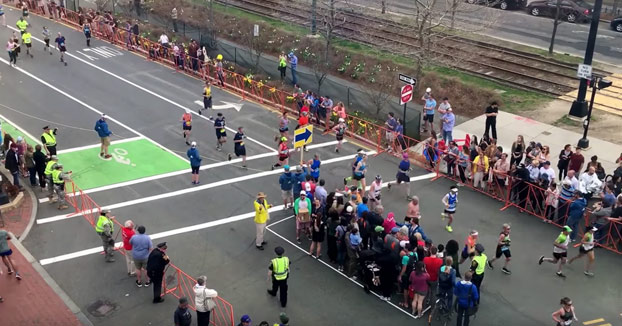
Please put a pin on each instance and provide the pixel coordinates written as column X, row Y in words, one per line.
column 261, row 211
column 476, row 163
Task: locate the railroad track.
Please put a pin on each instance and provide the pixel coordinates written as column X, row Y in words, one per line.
column 507, row 66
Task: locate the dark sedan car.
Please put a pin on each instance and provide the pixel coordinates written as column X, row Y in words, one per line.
column 616, row 24
column 501, row 4
column 571, row 11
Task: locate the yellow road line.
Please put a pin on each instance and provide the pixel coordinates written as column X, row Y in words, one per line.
column 590, row 322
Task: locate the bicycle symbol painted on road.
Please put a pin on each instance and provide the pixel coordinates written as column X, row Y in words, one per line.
column 119, row 155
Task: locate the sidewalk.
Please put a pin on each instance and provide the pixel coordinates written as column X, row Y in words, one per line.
column 36, row 299
column 509, row 126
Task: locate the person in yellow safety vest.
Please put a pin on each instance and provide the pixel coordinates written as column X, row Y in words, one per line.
column 478, row 266
column 50, row 166
column 22, row 24
column 104, row 228
column 27, row 40
column 59, row 178
column 279, row 271
column 282, row 65
column 48, row 138
column 284, row 320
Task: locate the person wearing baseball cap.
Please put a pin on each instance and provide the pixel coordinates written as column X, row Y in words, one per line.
column 302, row 211
column 195, row 162
column 101, row 127
column 478, row 267
column 587, row 249
column 245, row 321
column 48, row 139
column 279, row 273
column 156, row 264
column 560, row 251
column 261, row 217
column 105, row 229
column 340, row 130
column 450, row 200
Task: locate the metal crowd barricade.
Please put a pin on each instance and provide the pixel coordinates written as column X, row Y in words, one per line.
column 513, row 192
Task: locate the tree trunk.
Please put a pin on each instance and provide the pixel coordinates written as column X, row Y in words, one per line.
column 313, row 17
column 384, row 6
column 555, row 24
column 614, row 9
column 212, row 31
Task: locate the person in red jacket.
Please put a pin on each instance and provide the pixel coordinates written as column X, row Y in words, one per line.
column 127, row 231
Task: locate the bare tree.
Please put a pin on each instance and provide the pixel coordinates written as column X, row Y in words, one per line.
column 257, row 45
column 383, row 80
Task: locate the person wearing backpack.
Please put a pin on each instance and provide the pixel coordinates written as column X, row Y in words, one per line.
column 446, row 281
column 408, row 265
column 466, row 299
column 342, row 229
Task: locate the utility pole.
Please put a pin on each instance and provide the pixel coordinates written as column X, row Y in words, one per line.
column 313, row 17
column 579, row 106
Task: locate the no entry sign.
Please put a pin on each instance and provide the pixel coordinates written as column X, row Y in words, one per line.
column 406, row 94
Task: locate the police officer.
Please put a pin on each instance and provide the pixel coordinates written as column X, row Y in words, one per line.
column 50, row 166
column 478, row 266
column 279, row 271
column 156, row 264
column 58, row 178
column 48, row 138
column 105, row 228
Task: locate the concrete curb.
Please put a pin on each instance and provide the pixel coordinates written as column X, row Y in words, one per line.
column 50, row 281
column 33, row 214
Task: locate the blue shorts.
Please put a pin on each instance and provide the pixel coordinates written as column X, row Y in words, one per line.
column 6, row 253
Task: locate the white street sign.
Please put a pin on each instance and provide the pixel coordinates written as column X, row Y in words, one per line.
column 584, row 71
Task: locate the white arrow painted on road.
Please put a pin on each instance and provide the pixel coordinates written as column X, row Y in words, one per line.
column 226, row 105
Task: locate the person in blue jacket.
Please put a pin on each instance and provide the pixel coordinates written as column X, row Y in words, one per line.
column 195, row 162
column 299, row 178
column 466, row 297
column 314, row 167
column 575, row 213
column 101, row 126
column 286, row 180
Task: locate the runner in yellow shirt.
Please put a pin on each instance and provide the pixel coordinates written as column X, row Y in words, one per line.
column 27, row 41
column 207, row 98
column 22, row 24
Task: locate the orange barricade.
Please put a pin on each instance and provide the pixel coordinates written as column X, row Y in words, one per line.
column 513, row 192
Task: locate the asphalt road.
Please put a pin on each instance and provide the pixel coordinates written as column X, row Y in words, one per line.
column 148, row 100
column 520, row 27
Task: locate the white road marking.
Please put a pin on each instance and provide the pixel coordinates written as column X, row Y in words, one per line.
column 114, row 142
column 192, row 228
column 227, row 105
column 176, row 173
column 160, row 235
column 20, row 129
column 94, row 110
column 326, row 264
column 149, row 92
column 184, row 191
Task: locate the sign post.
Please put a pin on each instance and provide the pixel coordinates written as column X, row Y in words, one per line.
column 303, row 136
column 406, row 94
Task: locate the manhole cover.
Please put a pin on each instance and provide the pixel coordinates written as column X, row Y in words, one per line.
column 546, row 133
column 101, row 308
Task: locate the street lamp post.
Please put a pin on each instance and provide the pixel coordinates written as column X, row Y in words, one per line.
column 579, row 106
column 595, row 83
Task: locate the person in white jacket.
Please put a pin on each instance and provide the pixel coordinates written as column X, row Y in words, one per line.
column 204, row 300
column 589, row 183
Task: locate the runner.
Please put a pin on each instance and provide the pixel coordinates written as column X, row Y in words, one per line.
column 587, row 248
column 340, row 130
column 238, row 146
column 374, row 193
column 469, row 246
column 565, row 315
column 27, row 41
column 186, row 126
column 87, row 33
column 46, row 39
column 221, row 132
column 450, row 201
column 560, row 251
column 357, row 159
column 195, row 162
column 11, row 48
column 22, row 24
column 314, row 167
column 402, row 175
column 503, row 248
column 359, row 173
column 2, row 16
column 60, row 42
column 207, row 98
column 283, row 126
column 283, row 155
